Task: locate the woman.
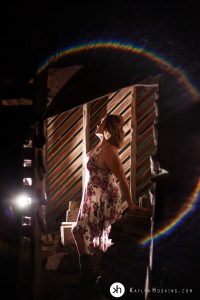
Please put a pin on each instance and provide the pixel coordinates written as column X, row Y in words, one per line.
column 101, row 203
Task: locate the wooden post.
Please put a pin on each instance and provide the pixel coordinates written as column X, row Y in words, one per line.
column 133, row 145
column 36, row 234
column 38, row 183
column 40, row 99
column 86, row 136
column 40, row 105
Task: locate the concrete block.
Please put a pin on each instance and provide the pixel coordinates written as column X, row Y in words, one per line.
column 65, row 232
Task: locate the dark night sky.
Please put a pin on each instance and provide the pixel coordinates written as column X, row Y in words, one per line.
column 30, row 32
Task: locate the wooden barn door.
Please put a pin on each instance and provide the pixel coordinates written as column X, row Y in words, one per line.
column 64, row 163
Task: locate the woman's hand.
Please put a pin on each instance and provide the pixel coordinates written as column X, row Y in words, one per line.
column 129, row 209
column 132, row 207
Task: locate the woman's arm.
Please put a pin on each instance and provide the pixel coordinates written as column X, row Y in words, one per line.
column 113, row 163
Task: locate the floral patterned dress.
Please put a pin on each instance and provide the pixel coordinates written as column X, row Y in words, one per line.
column 101, row 205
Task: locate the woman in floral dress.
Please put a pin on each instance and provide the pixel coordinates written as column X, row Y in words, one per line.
column 101, row 203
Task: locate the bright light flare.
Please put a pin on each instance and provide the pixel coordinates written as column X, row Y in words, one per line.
column 23, row 201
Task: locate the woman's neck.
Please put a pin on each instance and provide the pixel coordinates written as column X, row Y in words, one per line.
column 103, row 142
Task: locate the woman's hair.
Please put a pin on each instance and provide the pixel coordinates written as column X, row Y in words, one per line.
column 113, row 129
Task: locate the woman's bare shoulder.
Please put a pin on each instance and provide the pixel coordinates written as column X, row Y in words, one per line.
column 110, row 150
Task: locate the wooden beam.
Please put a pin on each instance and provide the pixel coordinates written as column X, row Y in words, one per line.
column 40, row 97
column 57, row 78
column 16, row 102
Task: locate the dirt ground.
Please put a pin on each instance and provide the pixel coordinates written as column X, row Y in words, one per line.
column 63, row 283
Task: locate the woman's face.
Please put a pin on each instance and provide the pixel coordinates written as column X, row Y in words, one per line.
column 100, row 127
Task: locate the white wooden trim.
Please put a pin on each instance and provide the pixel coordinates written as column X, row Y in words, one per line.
column 133, row 145
column 86, row 135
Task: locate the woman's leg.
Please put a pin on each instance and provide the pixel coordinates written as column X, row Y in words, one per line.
column 85, row 259
column 81, row 248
